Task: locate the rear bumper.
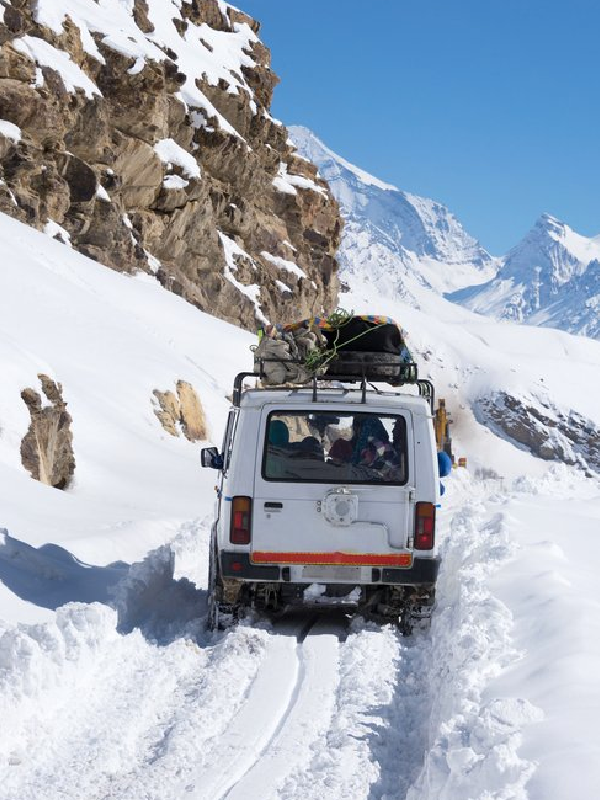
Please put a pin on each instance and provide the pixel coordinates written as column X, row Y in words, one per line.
column 238, row 566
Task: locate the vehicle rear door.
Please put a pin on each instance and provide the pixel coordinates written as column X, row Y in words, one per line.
column 315, row 503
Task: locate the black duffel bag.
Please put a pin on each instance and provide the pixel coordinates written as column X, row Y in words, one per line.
column 364, row 336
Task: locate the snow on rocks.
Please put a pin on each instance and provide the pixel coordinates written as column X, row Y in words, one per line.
column 175, row 182
column 10, row 130
column 56, row 231
column 170, row 153
column 252, row 292
column 283, row 263
column 288, row 184
column 102, row 193
column 201, row 52
column 283, row 287
column 46, row 55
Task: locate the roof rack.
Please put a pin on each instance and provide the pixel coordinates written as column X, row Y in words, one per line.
column 354, row 371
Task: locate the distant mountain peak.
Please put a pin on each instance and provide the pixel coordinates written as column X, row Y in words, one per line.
column 549, row 278
column 548, row 222
column 402, row 241
column 306, row 141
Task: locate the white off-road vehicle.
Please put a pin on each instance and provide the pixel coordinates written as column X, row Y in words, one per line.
column 327, row 494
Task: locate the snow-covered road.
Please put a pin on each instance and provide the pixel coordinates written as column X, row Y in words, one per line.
column 138, row 701
column 313, row 707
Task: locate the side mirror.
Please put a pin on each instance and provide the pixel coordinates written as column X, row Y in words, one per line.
column 210, row 457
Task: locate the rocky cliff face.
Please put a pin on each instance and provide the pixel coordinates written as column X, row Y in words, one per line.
column 140, row 134
column 543, row 429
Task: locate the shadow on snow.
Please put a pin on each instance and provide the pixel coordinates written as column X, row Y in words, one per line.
column 145, row 595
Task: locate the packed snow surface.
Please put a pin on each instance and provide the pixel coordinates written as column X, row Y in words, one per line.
column 111, row 687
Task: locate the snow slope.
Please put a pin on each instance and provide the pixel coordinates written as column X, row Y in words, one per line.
column 410, row 241
column 551, row 278
column 110, row 340
column 109, row 685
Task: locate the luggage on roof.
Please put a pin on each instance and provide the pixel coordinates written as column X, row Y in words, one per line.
column 342, row 346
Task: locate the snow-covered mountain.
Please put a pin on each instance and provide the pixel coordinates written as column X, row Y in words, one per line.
column 401, row 240
column 551, row 278
column 404, row 243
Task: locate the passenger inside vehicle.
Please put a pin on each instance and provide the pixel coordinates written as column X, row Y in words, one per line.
column 341, row 451
column 277, row 449
column 361, row 447
column 279, row 435
column 309, row 447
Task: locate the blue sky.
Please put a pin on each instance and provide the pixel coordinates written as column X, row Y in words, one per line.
column 490, row 107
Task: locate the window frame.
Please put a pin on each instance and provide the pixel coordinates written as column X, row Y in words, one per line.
column 230, row 431
column 340, row 412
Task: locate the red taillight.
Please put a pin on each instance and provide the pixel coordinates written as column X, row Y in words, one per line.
column 239, row 532
column 424, row 526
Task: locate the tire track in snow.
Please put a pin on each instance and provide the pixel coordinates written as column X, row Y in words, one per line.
column 308, row 713
column 286, row 709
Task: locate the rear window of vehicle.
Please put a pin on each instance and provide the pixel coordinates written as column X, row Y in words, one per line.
column 338, row 447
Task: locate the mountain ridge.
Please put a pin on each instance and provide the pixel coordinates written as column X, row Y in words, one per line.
column 550, row 278
column 407, row 244
column 393, row 233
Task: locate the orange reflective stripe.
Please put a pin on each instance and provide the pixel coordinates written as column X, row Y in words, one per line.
column 334, row 559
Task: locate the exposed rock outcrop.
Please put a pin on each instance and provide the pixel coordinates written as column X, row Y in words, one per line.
column 544, row 430
column 147, row 142
column 47, row 447
column 181, row 411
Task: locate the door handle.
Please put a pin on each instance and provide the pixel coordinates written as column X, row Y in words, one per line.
column 272, row 505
